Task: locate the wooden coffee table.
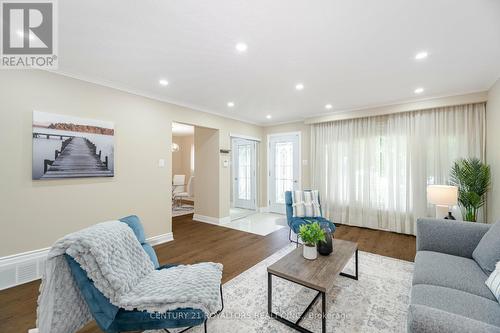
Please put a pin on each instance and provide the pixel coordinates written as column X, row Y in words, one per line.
column 316, row 274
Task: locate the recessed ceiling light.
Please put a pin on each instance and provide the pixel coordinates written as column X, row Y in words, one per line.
column 419, row 90
column 230, row 104
column 421, row 55
column 299, row 86
column 163, row 82
column 269, row 116
column 328, row 106
column 241, row 47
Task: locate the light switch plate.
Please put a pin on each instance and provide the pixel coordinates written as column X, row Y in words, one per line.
column 161, row 163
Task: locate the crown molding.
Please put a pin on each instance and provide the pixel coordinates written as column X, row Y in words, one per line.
column 374, row 110
column 288, row 122
column 421, row 104
column 141, row 93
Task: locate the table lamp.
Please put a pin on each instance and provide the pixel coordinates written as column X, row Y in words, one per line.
column 443, row 196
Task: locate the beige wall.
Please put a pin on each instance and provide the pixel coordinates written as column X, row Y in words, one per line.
column 226, row 127
column 181, row 160
column 35, row 213
column 493, row 150
column 206, row 143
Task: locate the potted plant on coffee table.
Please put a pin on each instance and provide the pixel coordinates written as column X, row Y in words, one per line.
column 311, row 234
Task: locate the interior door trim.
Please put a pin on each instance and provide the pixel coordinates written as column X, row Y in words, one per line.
column 268, row 153
column 255, row 178
column 242, row 136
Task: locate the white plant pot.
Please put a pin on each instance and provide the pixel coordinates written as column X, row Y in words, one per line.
column 310, row 252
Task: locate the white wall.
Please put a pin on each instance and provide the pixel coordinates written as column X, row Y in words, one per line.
column 493, row 150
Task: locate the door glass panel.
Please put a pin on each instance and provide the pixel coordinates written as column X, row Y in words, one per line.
column 244, row 172
column 283, row 170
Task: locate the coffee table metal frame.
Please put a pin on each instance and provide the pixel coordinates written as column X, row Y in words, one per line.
column 295, row 325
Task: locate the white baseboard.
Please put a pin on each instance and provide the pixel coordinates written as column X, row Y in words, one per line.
column 206, row 219
column 264, row 209
column 24, row 256
column 21, row 268
column 28, row 266
column 160, row 239
column 224, row 220
column 211, row 220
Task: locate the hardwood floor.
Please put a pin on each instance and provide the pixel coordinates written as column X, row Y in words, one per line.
column 195, row 242
column 385, row 243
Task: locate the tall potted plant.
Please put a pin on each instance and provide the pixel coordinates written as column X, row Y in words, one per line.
column 473, row 179
column 311, row 234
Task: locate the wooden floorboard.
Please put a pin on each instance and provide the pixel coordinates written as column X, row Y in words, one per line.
column 197, row 241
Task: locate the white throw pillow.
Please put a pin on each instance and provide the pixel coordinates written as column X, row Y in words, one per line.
column 315, row 203
column 299, row 209
column 306, row 204
column 493, row 282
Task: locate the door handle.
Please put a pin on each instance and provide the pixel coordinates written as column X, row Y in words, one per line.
column 295, row 181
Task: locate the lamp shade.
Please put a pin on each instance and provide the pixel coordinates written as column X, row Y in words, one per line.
column 442, row 195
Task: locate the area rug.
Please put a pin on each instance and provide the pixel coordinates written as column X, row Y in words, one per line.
column 377, row 302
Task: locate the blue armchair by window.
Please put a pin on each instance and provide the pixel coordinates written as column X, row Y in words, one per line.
column 295, row 222
column 112, row 319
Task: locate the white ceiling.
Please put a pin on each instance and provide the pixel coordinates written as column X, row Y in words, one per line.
column 182, row 129
column 349, row 53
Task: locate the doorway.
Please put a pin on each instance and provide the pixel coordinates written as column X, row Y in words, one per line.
column 183, row 170
column 283, row 168
column 244, row 177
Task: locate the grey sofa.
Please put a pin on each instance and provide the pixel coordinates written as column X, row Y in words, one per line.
column 449, row 293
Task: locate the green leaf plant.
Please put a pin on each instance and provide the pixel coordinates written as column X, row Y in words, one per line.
column 311, row 234
column 473, row 179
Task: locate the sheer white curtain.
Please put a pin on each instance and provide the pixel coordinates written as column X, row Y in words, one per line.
column 373, row 172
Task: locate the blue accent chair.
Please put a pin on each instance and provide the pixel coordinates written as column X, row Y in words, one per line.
column 295, row 222
column 112, row 319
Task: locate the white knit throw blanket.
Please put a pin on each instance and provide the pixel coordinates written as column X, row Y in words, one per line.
column 114, row 259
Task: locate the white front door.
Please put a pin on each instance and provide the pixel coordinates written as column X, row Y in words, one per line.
column 284, row 169
column 244, row 173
